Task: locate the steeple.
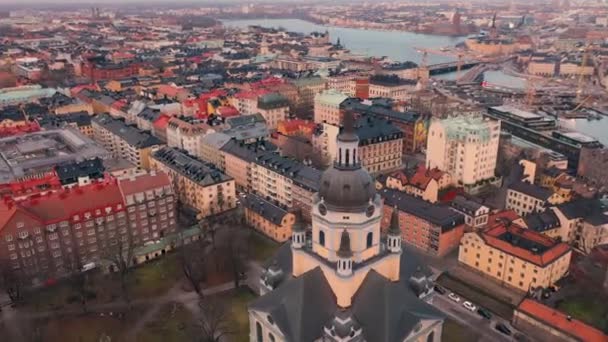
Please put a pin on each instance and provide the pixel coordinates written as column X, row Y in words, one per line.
column 348, row 144
column 394, row 233
column 298, row 236
column 345, row 255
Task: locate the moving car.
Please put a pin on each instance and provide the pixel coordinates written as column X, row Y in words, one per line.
column 503, row 329
column 484, row 313
column 454, row 297
column 470, row 306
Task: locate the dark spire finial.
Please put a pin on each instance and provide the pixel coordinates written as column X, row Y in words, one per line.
column 394, row 226
column 345, row 251
column 348, row 133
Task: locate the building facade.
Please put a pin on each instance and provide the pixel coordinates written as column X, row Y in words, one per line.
column 199, row 185
column 124, row 141
column 53, row 236
column 465, row 147
column 327, row 107
column 268, row 218
column 516, row 257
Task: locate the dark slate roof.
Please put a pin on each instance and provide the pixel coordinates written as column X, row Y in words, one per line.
column 371, row 129
column 198, row 171
column 79, row 118
column 543, row 221
column 531, row 190
column 267, row 210
column 437, row 214
column 591, row 210
column 69, row 173
column 301, row 174
column 247, row 152
column 465, row 205
column 272, row 101
column 389, row 311
column 149, row 114
column 380, row 111
column 129, row 133
column 300, row 307
column 12, row 113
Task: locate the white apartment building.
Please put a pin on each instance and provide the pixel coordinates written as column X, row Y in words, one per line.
column 327, row 107
column 466, row 147
column 186, row 133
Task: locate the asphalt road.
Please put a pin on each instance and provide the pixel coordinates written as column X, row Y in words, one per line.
column 472, row 320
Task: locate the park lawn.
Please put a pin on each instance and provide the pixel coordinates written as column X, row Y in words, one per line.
column 239, row 300
column 262, row 248
column 587, row 309
column 455, row 332
column 154, row 278
column 173, row 323
column 83, row 328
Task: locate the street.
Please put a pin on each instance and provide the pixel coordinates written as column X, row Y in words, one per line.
column 472, row 320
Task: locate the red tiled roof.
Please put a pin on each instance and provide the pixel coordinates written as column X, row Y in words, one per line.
column 560, row 321
column 554, row 249
column 253, row 94
column 501, row 217
column 143, row 183
column 61, row 205
column 227, row 111
column 162, row 121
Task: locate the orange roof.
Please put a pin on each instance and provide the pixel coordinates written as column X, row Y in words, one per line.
column 162, row 121
column 143, row 183
column 551, row 250
column 560, row 321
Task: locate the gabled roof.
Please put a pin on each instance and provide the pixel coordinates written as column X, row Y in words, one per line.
column 266, row 209
column 300, row 307
column 531, row 190
column 388, row 311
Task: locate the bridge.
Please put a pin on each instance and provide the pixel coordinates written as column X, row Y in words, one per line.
column 473, row 75
column 444, row 68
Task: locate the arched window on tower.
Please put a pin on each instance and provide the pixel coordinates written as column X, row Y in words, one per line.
column 258, row 332
column 370, row 239
column 347, row 162
column 354, row 156
column 271, row 337
column 431, row 337
column 322, row 238
column 340, row 156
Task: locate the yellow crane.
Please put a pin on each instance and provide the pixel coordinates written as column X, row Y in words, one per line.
column 581, row 73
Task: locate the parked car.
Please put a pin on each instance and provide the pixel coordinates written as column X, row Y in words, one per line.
column 440, row 289
column 503, row 329
column 484, row 313
column 470, row 306
column 454, row 297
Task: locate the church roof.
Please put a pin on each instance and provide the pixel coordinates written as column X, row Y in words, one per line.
column 301, row 307
column 387, row 311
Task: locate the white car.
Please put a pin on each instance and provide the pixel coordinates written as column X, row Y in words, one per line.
column 454, row 297
column 470, row 306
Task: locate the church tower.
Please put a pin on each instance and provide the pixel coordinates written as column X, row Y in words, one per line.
column 346, row 215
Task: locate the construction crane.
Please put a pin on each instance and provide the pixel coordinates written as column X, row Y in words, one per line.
column 581, row 73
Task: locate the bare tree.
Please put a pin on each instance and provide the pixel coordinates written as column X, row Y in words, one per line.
column 233, row 251
column 120, row 254
column 12, row 281
column 214, row 321
column 192, row 258
column 79, row 283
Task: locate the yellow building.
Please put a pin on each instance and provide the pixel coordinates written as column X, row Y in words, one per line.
column 199, row 185
column 544, row 67
column 514, row 256
column 269, row 219
column 124, row 141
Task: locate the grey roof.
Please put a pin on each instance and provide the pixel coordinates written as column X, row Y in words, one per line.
column 300, row 307
column 531, row 190
column 370, row 129
column 264, row 208
column 215, row 139
column 347, row 189
column 542, row 221
column 437, row 214
column 465, row 205
column 129, row 133
column 272, row 101
column 198, row 171
column 380, row 111
column 69, row 173
column 243, row 151
column 591, row 210
column 247, row 127
column 241, row 120
column 387, row 311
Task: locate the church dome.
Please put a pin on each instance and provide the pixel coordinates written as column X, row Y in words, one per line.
column 346, row 189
